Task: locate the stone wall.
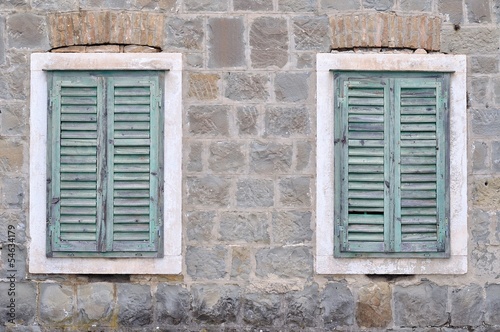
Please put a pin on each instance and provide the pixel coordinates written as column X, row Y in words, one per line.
column 249, row 171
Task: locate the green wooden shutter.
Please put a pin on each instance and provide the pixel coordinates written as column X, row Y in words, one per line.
column 390, row 164
column 105, row 153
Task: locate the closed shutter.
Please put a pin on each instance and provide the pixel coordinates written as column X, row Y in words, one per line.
column 104, row 157
column 390, row 164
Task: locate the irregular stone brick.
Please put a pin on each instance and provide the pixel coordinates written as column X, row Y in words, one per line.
column 303, row 155
column 479, row 92
column 243, row 86
column 269, row 157
column 305, row 60
column 292, row 227
column 2, row 43
column 161, row 5
column 194, row 159
column 95, row 302
column 206, row 263
column 254, row 193
column 484, row 260
column 284, row 262
column 287, row 121
column 374, row 306
column 226, row 42
column 226, row 157
column 13, row 3
column 492, row 304
column 261, row 309
column 13, row 82
column 478, row 11
column 480, row 155
column 340, row 5
column 206, row 5
column 422, row 6
column 467, row 306
column 241, row 263
column 23, row 310
column 172, row 304
column 480, row 226
column 13, row 192
column 200, row 225
column 496, row 90
column 216, row 304
column 291, row 87
column 109, row 4
column 381, row 5
column 470, row 40
column 483, row 64
column 203, row 86
column 64, row 5
column 208, row 190
column 14, row 218
column 311, row 33
column 185, row 34
column 452, row 10
column 295, row 191
column 496, row 9
column 56, row 303
column 495, row 156
column 297, row 5
column 269, row 42
column 246, row 120
column 420, row 305
column 485, row 191
column 254, row 6
column 303, row 307
column 209, row 121
column 135, row 306
column 244, row 227
column 486, row 123
column 26, row 30
column 337, row 305
column 194, row 60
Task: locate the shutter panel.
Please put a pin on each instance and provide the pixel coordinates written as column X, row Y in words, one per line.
column 73, row 135
column 361, row 145
column 420, row 210
column 133, row 158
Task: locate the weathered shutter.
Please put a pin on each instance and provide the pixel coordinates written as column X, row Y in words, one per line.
column 74, row 206
column 133, row 158
column 420, row 210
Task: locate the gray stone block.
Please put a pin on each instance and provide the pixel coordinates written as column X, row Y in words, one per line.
column 262, row 309
column 18, row 301
column 18, row 266
column 56, row 303
column 467, row 306
column 2, row 40
column 135, row 305
column 291, row 87
column 287, row 121
column 337, row 305
column 186, row 34
column 244, row 227
column 254, row 193
column 241, row 263
column 269, row 42
column 208, row 191
column 95, row 303
column 59, row 5
column 492, row 304
column 341, row 5
column 206, row 5
column 470, row 40
column 486, row 123
column 200, row 225
column 420, row 305
column 483, row 64
column 13, row 192
column 206, row 263
column 208, row 121
column 292, row 227
column 495, row 156
column 480, row 153
column 303, row 307
column 496, row 90
column 484, row 260
column 194, row 158
column 270, row 157
column 295, row 192
column 452, row 10
column 13, row 82
column 243, row 86
column 296, row 5
column 14, row 218
column 380, row 5
column 496, row 9
column 479, row 92
column 13, row 119
column 216, row 304
column 305, row 60
column 304, row 152
column 172, row 304
column 9, row 4
column 29, row 31
column 312, row 33
column 422, row 5
column 480, row 226
column 247, row 120
column 284, row 262
column 226, row 157
column 226, row 42
column 478, row 11
column 254, row 5
column 109, row 4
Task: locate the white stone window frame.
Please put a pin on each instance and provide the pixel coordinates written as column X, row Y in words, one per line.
column 171, row 64
column 325, row 262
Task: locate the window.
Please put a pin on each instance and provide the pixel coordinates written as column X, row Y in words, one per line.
column 103, row 198
column 391, row 190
